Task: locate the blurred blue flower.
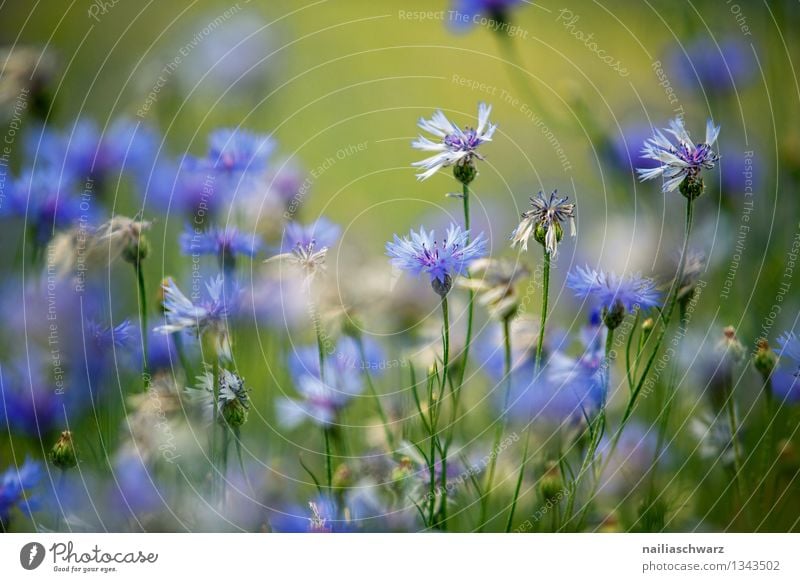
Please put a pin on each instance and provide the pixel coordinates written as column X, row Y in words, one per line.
column 15, row 490
column 225, row 243
column 239, row 151
column 322, row 233
column 682, row 160
column 322, row 515
column 465, row 13
column 31, row 404
column 625, row 148
column 209, row 312
column 343, row 379
column 716, row 69
column 47, row 202
column 607, row 290
column 441, row 261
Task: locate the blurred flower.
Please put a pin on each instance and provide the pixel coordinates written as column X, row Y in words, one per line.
column 238, row 152
column 790, row 347
column 343, row 379
column 233, row 400
column 26, row 68
column 457, row 147
column 544, row 222
column 632, row 458
column 30, row 404
column 465, row 13
column 321, row 515
column 225, row 243
column 681, row 161
column 613, row 295
column 15, row 490
column 209, row 314
column 625, row 148
column 306, row 247
column 422, row 253
column 717, row 67
column 46, row 201
column 494, row 282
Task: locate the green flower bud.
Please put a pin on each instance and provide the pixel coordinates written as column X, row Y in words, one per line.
column 551, row 486
column 465, row 172
column 234, row 413
column 764, row 359
column 63, row 455
column 442, row 289
column 613, row 317
column 692, row 186
column 136, row 250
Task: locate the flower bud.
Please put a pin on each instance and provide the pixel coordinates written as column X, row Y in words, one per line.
column 342, row 477
column 613, row 317
column 764, row 359
column 442, row 289
column 465, row 172
column 692, row 186
column 647, row 326
column 63, row 455
column 234, row 413
column 136, row 250
column 551, row 485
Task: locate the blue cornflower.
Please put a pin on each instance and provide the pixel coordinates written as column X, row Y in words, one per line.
column 681, row 162
column 29, row 403
column 624, row 148
column 238, row 151
column 455, row 147
column 441, row 261
column 209, row 314
column 105, row 337
column 15, row 490
column 46, row 200
column 225, row 243
column 321, row 233
column 613, row 295
column 466, row 13
column 343, row 379
column 718, row 67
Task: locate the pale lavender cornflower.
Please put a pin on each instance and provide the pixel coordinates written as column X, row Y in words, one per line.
column 306, row 246
column 208, row 314
column 544, row 221
column 613, row 295
column 454, row 147
column 420, row 252
column 680, row 162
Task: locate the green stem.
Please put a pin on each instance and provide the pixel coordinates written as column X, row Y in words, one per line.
column 730, row 408
column 328, row 458
column 143, row 320
column 545, row 294
column 445, row 366
column 501, row 424
column 538, row 362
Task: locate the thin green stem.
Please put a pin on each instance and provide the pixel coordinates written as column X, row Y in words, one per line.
column 545, row 297
column 328, row 458
column 143, row 320
column 445, row 366
column 501, row 424
column 518, row 487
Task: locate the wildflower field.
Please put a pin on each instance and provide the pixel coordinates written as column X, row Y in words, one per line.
column 407, row 266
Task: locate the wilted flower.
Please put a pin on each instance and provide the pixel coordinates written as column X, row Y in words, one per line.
column 544, row 222
column 456, row 147
column 422, row 253
column 15, row 490
column 233, row 400
column 612, row 294
column 681, row 162
column 494, row 281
